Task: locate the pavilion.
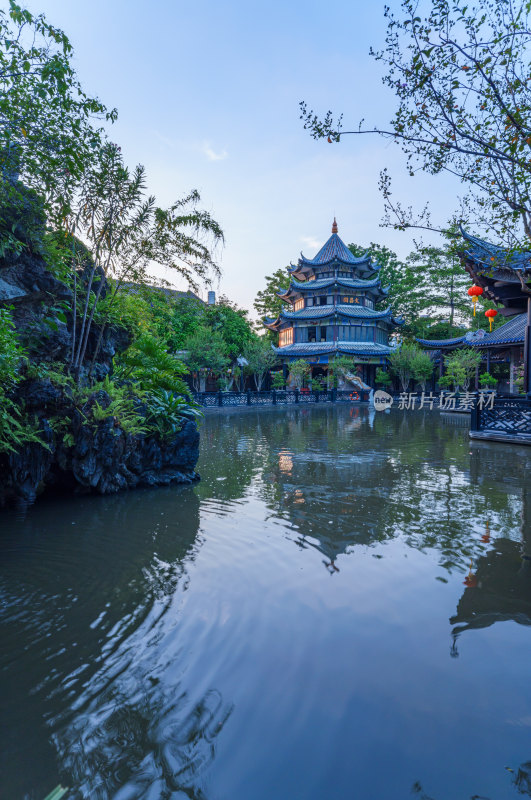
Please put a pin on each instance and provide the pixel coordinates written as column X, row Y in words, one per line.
column 502, row 345
column 331, row 311
column 503, row 276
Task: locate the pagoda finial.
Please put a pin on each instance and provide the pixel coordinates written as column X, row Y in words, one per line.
column 334, row 226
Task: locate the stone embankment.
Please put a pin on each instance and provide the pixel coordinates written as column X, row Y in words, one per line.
column 80, row 452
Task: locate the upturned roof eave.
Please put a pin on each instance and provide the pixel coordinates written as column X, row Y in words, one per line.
column 351, row 312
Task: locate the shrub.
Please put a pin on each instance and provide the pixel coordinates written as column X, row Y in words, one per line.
column 167, row 412
column 487, row 381
column 151, row 367
column 383, row 378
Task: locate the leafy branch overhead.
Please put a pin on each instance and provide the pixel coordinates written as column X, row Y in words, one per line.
column 49, row 127
column 461, row 75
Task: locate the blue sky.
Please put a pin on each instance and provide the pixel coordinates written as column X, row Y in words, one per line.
column 208, row 94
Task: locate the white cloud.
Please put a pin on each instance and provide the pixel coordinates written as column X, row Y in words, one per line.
column 212, row 155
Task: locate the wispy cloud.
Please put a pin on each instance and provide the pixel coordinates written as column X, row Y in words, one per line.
column 310, row 242
column 164, row 139
column 212, row 155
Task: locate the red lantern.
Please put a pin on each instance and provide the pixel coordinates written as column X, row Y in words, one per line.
column 474, row 292
column 471, row 579
column 490, row 314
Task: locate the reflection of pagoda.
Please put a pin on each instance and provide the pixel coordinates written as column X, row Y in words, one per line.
column 332, row 302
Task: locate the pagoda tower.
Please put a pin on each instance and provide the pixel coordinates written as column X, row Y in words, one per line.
column 331, row 310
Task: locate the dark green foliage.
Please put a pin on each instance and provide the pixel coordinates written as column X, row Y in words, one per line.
column 46, row 119
column 402, row 364
column 267, row 303
column 278, row 381
column 148, row 364
column 261, row 358
column 428, row 291
column 16, row 429
column 166, row 412
column 487, row 381
column 232, row 324
column 383, row 378
column 22, row 219
column 206, row 351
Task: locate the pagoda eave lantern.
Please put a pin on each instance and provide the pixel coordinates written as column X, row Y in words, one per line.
column 474, row 292
column 490, row 314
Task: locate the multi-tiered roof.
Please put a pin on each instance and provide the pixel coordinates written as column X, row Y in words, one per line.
column 352, row 289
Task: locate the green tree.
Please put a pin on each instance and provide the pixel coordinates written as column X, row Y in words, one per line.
column 232, row 324
column 127, row 231
column 206, row 351
column 298, row 372
column 48, row 124
column 267, row 303
column 461, row 366
column 397, row 276
column 422, row 368
column 402, row 363
column 383, row 378
column 341, row 366
column 487, row 381
column 460, row 72
column 278, row 381
column 261, row 359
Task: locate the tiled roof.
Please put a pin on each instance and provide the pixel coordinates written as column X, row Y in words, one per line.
column 319, row 312
column 321, row 348
column 364, row 348
column 336, row 249
column 309, row 348
column 348, row 283
column 511, row 332
column 491, row 256
column 437, row 343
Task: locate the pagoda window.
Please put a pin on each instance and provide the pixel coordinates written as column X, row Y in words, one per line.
column 309, row 301
column 285, row 337
column 298, row 304
column 381, row 336
column 312, row 334
column 369, row 303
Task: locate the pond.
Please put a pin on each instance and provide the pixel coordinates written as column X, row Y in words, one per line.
column 340, row 609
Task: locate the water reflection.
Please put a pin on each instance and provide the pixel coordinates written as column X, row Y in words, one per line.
column 84, row 591
column 280, row 629
column 371, row 478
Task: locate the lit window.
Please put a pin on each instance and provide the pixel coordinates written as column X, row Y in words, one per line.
column 285, row 337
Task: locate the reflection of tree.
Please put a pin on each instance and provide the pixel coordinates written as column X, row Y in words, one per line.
column 232, row 450
column 145, row 743
column 80, row 608
column 402, row 474
column 522, row 779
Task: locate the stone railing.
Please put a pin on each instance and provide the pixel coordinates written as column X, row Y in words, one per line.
column 276, row 397
column 505, row 415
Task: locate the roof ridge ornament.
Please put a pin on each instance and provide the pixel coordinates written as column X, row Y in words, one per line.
column 334, row 226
